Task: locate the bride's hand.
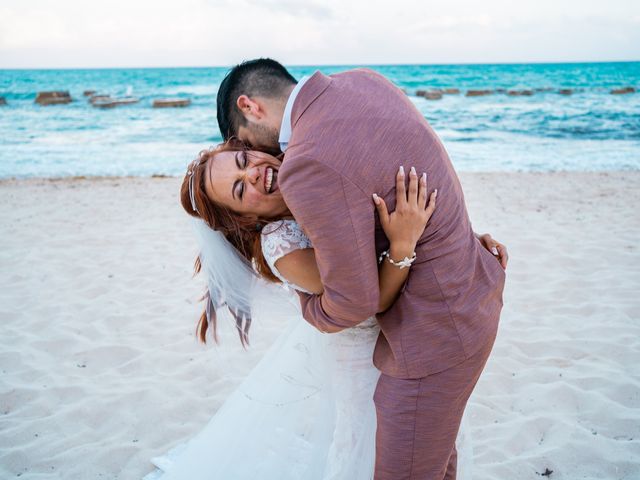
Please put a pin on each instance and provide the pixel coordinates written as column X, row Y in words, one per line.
column 404, row 226
column 496, row 248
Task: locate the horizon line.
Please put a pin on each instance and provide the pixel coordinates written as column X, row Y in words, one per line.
column 377, row 64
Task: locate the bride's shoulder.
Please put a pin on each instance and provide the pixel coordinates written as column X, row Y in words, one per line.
column 284, row 232
column 279, row 239
column 280, row 226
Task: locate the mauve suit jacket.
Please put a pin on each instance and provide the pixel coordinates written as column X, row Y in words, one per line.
column 350, row 133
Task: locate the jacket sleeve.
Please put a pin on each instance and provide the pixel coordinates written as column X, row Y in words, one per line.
column 339, row 219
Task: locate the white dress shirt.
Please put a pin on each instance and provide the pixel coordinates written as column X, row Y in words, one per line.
column 285, row 127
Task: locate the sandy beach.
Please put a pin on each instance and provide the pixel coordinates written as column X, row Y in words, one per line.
column 101, row 370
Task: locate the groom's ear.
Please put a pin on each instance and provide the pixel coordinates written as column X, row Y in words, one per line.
column 250, row 108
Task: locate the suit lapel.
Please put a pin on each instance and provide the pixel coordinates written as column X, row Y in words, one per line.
column 311, row 90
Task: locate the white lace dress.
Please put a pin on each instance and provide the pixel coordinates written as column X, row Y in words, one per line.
column 352, row 376
column 306, row 411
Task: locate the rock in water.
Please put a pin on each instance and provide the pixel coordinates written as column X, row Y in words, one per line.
column 433, row 95
column 99, row 98
column 478, row 93
column 171, row 102
column 89, row 93
column 565, row 91
column 520, row 93
column 3, row 101
column 53, row 98
column 105, row 101
column 623, row 91
column 451, row 91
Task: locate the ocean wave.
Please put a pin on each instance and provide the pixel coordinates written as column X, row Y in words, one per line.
column 590, row 129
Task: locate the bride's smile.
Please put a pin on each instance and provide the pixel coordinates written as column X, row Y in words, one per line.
column 270, row 180
column 245, row 182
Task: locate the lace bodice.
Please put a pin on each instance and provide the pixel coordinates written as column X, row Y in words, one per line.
column 279, row 239
column 284, row 236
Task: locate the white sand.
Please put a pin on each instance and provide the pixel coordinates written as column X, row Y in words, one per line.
column 100, row 369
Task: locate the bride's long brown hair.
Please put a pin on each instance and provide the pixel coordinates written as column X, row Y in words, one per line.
column 242, row 232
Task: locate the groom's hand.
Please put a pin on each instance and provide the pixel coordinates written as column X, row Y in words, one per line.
column 496, row 248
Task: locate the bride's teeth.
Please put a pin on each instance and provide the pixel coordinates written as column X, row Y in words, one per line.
column 269, row 179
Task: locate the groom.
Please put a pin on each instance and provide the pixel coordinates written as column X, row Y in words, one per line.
column 344, row 138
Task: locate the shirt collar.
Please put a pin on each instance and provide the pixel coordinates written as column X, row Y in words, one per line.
column 285, row 127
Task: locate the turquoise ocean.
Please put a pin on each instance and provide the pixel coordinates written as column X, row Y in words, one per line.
column 588, row 130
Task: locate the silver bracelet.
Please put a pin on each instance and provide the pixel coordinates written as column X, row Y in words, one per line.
column 404, row 263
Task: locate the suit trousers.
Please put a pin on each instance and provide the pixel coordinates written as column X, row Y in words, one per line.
column 418, row 420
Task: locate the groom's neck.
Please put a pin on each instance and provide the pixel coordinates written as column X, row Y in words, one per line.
column 279, row 104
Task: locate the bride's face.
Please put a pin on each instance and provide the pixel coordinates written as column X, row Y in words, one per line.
column 246, row 182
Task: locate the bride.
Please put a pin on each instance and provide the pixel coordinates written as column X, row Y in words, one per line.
column 306, row 410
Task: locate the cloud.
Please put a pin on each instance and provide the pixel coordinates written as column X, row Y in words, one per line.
column 77, row 33
column 451, row 22
column 295, row 8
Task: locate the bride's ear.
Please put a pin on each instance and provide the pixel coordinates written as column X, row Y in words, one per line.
column 250, row 108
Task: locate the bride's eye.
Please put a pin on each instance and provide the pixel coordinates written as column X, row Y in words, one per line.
column 241, row 163
column 245, row 163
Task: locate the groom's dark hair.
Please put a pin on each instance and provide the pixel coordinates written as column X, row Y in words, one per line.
column 262, row 77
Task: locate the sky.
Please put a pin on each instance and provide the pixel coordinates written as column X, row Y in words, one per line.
column 159, row 33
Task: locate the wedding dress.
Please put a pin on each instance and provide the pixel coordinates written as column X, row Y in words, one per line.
column 306, row 411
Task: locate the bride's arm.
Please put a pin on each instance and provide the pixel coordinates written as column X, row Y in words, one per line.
column 300, row 268
column 403, row 228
